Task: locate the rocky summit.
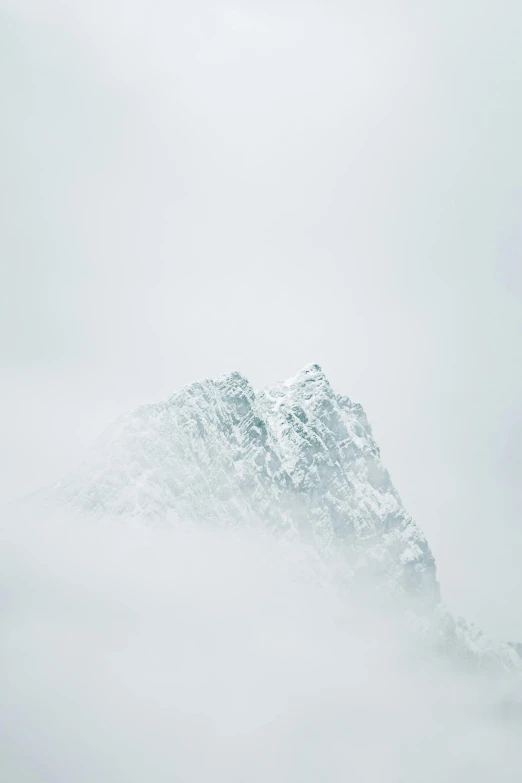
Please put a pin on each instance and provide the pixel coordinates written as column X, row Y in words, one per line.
column 295, row 459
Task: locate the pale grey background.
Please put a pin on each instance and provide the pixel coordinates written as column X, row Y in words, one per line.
column 194, row 187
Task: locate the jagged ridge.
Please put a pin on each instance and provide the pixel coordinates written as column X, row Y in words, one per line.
column 294, row 458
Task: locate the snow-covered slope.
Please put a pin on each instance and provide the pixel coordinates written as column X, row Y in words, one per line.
column 294, row 458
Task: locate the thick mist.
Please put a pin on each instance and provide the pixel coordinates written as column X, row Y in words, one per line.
column 133, row 654
column 196, row 187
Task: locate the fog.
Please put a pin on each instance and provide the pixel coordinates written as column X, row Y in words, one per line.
column 194, row 187
column 192, row 655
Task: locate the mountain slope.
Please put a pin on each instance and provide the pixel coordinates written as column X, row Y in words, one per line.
column 295, row 459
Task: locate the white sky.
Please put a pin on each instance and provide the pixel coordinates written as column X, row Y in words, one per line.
column 196, row 187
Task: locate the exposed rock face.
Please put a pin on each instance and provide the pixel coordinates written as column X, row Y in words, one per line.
column 296, row 459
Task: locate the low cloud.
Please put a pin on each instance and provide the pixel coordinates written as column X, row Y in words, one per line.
column 189, row 655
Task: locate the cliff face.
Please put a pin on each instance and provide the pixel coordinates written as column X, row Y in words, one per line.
column 295, row 458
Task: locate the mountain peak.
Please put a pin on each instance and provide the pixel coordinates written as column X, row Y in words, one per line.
column 308, row 373
column 295, row 459
column 234, row 377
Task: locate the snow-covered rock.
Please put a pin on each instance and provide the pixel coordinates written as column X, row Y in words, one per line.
column 294, row 458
